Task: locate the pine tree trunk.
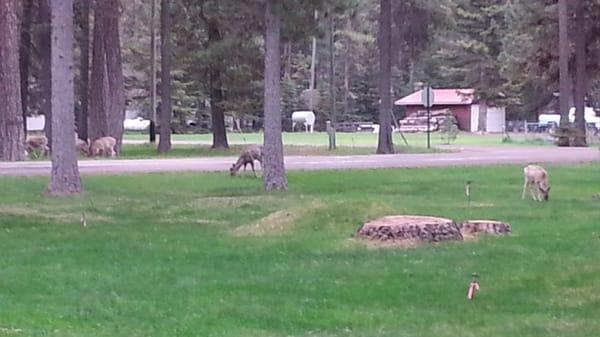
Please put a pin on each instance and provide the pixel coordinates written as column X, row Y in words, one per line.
column 84, row 69
column 347, row 68
column 332, row 96
column 164, row 143
column 216, row 92
column 11, row 115
column 98, row 119
column 45, row 77
column 65, row 178
column 483, row 112
column 25, row 57
column 114, row 70
column 564, row 54
column 581, row 74
column 385, row 144
column 152, row 129
column 274, row 168
column 107, row 97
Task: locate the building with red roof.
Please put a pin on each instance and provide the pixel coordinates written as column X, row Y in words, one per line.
column 463, row 105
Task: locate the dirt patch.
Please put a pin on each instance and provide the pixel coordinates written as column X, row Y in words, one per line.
column 278, row 222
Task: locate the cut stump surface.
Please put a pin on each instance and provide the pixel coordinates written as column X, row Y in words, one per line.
column 411, row 228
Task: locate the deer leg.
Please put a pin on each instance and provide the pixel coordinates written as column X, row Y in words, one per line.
column 252, row 165
column 533, row 192
column 525, row 185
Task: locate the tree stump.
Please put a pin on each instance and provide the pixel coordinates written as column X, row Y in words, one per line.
column 411, row 228
column 475, row 227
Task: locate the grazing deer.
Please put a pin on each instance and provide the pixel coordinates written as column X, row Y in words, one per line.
column 82, row 146
column 248, row 156
column 35, row 144
column 104, row 146
column 536, row 180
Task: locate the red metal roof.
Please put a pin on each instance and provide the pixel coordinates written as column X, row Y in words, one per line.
column 442, row 97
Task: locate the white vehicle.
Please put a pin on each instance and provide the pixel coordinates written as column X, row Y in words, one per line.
column 546, row 119
column 136, row 124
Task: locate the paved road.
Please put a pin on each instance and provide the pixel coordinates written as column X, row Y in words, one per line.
column 466, row 156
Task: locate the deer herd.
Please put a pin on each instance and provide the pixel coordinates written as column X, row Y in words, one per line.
column 104, row 146
column 536, row 177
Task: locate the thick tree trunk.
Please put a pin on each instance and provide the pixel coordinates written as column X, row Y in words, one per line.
column 164, row 144
column 580, row 75
column 332, row 140
column 483, row 112
column 274, row 168
column 348, row 43
column 385, row 144
column 107, row 101
column 98, row 119
column 65, row 178
column 313, row 69
column 114, row 70
column 564, row 54
column 216, row 92
column 25, row 57
column 45, row 77
column 11, row 115
column 152, row 130
column 84, row 69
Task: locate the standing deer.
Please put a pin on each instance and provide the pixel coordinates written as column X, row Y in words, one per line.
column 104, row 146
column 536, row 180
column 248, row 156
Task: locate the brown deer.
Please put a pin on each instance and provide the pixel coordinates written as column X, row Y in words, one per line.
column 248, row 156
column 536, row 180
column 37, row 144
column 104, row 146
column 82, row 147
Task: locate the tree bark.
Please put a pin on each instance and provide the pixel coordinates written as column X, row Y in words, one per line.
column 313, row 69
column 25, row 57
column 216, row 92
column 385, row 144
column 11, row 115
column 483, row 112
column 65, row 178
column 580, row 74
column 98, row 119
column 152, row 130
column 332, row 140
column 274, row 169
column 114, row 70
column 107, row 101
column 45, row 77
column 564, row 54
column 164, row 143
column 84, row 69
column 348, row 43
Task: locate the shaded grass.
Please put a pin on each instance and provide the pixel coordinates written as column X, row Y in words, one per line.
column 163, row 256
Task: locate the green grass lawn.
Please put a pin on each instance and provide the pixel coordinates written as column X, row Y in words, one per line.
column 141, row 151
column 360, row 139
column 211, row 255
